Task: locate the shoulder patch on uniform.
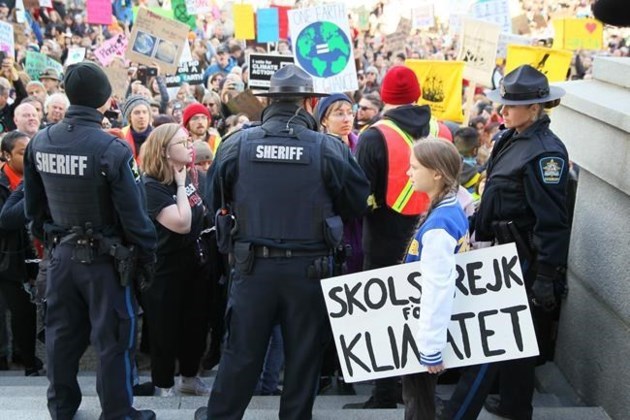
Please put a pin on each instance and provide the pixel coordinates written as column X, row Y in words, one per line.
column 414, row 248
column 551, row 169
column 133, row 167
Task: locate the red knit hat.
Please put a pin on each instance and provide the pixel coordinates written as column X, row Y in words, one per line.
column 194, row 109
column 400, row 86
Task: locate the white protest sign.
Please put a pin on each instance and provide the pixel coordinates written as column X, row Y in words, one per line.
column 196, row 7
column 75, row 55
column 322, row 45
column 505, row 39
column 422, row 15
column 186, row 54
column 495, row 11
column 374, row 316
column 7, row 39
column 45, row 3
column 478, row 50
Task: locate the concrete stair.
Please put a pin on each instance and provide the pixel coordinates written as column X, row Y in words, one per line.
column 24, row 398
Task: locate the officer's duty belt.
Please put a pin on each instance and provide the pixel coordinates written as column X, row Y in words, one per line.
column 266, row 252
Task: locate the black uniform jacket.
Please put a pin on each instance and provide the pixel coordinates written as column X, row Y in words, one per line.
column 527, row 184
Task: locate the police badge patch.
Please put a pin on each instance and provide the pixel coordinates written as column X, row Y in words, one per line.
column 551, row 169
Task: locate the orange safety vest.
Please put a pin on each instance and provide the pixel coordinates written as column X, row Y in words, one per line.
column 399, row 195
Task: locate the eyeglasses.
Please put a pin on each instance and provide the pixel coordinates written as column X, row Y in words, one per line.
column 366, row 108
column 186, row 142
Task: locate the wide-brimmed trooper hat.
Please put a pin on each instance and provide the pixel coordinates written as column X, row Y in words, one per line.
column 525, row 86
column 291, row 81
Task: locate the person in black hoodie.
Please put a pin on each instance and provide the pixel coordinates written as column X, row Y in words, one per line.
column 383, row 153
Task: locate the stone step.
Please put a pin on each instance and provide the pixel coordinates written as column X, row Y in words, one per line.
column 613, row 70
column 581, row 413
column 10, row 400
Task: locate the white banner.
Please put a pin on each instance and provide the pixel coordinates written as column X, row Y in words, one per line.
column 478, row 50
column 495, row 11
column 196, row 7
column 322, row 44
column 374, row 316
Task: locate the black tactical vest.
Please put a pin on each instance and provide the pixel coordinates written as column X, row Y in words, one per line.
column 280, row 199
column 74, row 179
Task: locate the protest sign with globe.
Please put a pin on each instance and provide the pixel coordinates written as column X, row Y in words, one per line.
column 323, row 49
column 322, row 46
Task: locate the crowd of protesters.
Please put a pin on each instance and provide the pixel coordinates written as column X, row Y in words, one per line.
column 150, row 115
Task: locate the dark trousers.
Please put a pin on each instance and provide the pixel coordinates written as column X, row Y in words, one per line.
column 177, row 315
column 419, row 396
column 23, row 319
column 86, row 303
column 276, row 291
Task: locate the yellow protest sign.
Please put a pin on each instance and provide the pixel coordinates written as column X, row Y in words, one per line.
column 553, row 63
column 244, row 22
column 441, row 85
column 578, row 34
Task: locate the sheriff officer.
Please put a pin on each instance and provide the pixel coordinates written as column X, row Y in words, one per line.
column 288, row 187
column 82, row 190
column 525, row 202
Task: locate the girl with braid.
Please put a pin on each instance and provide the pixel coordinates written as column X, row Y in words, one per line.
column 434, row 169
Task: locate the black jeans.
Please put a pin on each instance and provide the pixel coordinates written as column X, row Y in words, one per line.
column 177, row 314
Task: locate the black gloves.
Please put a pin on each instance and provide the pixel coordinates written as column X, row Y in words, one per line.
column 543, row 292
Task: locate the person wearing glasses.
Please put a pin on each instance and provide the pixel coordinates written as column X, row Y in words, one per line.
column 368, row 111
column 175, row 301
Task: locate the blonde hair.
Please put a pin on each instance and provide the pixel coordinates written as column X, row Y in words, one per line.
column 153, row 153
column 442, row 157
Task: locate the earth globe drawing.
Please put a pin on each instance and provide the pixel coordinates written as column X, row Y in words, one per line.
column 322, row 49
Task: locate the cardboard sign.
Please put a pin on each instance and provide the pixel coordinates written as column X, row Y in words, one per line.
column 37, row 62
column 374, row 316
column 157, row 39
column 188, row 72
column 506, row 39
column 263, row 66
column 478, row 49
column 578, row 34
column 553, row 63
column 322, row 44
column 396, row 42
column 520, row 25
column 197, row 7
column 246, row 103
column 118, row 78
column 30, row 4
column 7, row 39
column 113, row 47
column 495, row 11
column 75, row 55
column 19, row 33
column 99, row 12
column 441, row 83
